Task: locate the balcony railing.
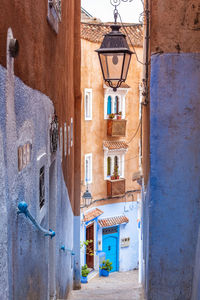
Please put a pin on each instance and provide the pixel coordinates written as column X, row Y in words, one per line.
column 116, row 128
column 116, row 187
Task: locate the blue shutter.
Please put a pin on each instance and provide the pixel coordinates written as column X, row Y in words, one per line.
column 109, row 105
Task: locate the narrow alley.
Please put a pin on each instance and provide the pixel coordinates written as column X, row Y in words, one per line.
column 117, row 286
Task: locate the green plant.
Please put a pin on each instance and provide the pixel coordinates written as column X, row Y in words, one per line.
column 115, row 173
column 85, row 271
column 106, row 265
column 111, row 116
column 87, row 245
column 119, row 113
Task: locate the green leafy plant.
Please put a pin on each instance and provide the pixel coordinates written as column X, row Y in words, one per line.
column 119, row 113
column 85, row 271
column 106, row 265
column 86, row 245
column 115, row 173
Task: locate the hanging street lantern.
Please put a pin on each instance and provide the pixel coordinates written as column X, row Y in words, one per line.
column 87, row 197
column 114, row 55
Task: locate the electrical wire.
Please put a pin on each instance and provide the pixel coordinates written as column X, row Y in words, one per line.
column 135, row 133
column 130, row 40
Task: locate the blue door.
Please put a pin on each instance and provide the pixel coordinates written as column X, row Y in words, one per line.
column 110, row 246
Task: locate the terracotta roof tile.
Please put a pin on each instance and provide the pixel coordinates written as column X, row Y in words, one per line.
column 107, row 222
column 92, row 214
column 115, row 145
column 95, row 31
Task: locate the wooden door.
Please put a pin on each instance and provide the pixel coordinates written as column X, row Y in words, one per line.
column 90, row 236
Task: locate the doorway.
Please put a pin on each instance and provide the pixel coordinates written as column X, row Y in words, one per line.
column 111, row 247
column 90, row 237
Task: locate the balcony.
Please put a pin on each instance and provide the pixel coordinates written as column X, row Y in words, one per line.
column 115, row 187
column 116, row 128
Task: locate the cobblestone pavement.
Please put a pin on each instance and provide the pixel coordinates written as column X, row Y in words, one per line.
column 119, row 285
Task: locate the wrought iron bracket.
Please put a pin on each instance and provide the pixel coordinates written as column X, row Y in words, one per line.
column 23, row 209
column 66, row 250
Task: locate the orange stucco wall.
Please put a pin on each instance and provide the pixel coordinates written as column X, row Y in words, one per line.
column 94, row 132
column 50, row 63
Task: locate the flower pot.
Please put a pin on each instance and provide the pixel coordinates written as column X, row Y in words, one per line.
column 119, row 117
column 84, row 279
column 104, row 273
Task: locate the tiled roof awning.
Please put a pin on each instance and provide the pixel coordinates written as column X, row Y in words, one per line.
column 95, row 31
column 92, row 214
column 108, row 222
column 110, row 145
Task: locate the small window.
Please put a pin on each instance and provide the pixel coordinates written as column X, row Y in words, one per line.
column 114, row 104
column 65, row 139
column 88, row 168
column 61, row 143
column 108, row 166
column 54, row 13
column 42, row 187
column 72, row 132
column 111, row 161
column 88, row 104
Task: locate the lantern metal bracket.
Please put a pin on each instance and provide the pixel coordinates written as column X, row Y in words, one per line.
column 116, row 3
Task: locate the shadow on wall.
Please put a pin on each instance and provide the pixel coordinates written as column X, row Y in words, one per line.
column 25, row 117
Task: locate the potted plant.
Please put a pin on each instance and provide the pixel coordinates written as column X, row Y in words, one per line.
column 111, row 116
column 115, row 173
column 119, row 115
column 106, row 267
column 84, row 273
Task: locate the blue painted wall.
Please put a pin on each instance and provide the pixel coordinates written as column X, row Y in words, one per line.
column 27, row 252
column 173, row 197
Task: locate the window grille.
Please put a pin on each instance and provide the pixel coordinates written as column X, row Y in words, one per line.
column 56, row 5
column 42, row 187
column 110, row 230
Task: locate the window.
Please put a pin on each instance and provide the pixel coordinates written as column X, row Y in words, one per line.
column 65, row 139
column 42, row 187
column 72, row 132
column 61, row 143
column 108, row 166
column 54, row 13
column 113, row 104
column 88, row 104
column 88, row 168
column 113, row 160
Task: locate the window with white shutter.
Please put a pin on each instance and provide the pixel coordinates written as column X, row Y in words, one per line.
column 88, row 168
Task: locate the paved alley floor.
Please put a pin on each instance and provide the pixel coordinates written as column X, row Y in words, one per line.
column 119, row 285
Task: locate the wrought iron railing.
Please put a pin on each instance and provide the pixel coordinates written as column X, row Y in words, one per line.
column 23, row 209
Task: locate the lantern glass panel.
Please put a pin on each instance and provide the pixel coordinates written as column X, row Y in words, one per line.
column 112, row 64
column 88, row 201
column 126, row 65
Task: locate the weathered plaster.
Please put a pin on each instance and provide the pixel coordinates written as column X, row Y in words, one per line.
column 30, row 257
column 175, row 26
column 174, row 177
